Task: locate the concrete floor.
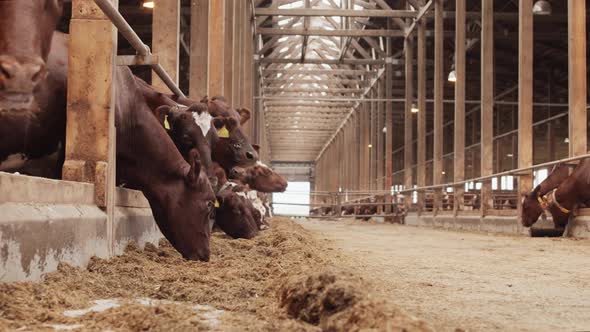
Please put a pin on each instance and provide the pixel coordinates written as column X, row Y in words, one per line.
column 471, row 281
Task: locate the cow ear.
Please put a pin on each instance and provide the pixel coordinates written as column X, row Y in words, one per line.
column 205, row 100
column 231, row 123
column 256, row 148
column 218, row 122
column 245, row 115
column 198, row 108
column 192, row 177
column 161, row 113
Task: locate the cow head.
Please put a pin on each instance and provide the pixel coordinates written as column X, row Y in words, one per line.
column 182, row 206
column 187, row 134
column 26, row 30
column 531, row 207
column 218, row 107
column 260, row 177
column 235, row 215
column 232, row 148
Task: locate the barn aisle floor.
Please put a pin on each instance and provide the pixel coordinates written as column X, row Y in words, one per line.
column 469, row 281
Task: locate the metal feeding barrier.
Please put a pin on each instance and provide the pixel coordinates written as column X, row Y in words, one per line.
column 144, row 55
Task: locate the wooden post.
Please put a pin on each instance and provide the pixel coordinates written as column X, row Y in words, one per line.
column 365, row 126
column 248, row 64
column 421, row 170
column 90, row 130
column 216, row 60
column 459, row 163
column 577, row 77
column 379, row 133
column 438, row 101
column 487, row 103
column 525, row 94
column 388, row 114
column 166, row 40
column 90, row 97
column 237, row 45
column 228, row 52
column 199, row 49
column 408, row 123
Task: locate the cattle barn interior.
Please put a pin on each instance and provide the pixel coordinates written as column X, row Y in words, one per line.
column 325, row 135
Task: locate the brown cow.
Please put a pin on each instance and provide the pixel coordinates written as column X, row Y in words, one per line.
column 178, row 192
column 235, row 214
column 533, row 204
column 260, row 177
column 571, row 191
column 32, row 99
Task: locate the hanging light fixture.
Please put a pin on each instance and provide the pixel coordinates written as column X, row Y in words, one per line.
column 453, row 75
column 370, row 146
column 148, row 4
column 542, row 7
column 414, row 109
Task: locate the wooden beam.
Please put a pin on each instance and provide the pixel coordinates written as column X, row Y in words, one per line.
column 459, row 128
column 334, row 12
column 329, row 33
column 215, row 80
column 421, row 158
column 408, row 121
column 229, row 52
column 328, row 61
column 166, row 23
column 487, row 102
column 438, row 165
column 199, row 48
column 90, row 129
column 577, row 78
column 525, row 95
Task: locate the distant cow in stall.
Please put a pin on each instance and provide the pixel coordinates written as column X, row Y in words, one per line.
column 32, row 98
column 236, row 215
column 557, row 194
column 178, row 191
column 259, row 178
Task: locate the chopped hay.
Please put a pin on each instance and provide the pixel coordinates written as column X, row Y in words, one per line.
column 155, row 289
column 340, row 301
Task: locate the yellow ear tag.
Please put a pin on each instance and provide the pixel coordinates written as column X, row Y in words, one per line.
column 166, row 123
column 216, row 203
column 223, row 132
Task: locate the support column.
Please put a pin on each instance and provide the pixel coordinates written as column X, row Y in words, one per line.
column 237, row 59
column 228, row 52
column 577, row 77
column 199, row 49
column 165, row 40
column 388, row 114
column 248, row 65
column 438, row 101
column 459, row 164
column 90, row 127
column 487, row 103
column 365, row 124
column 525, row 95
column 421, row 169
column 408, row 130
column 216, row 60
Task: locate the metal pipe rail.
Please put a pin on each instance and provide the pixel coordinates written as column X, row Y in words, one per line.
column 514, row 172
column 140, row 47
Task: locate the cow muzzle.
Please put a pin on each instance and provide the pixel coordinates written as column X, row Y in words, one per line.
column 18, row 80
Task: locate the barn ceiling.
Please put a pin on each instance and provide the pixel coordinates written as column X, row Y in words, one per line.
column 318, row 58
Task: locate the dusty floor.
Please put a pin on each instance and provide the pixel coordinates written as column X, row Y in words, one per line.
column 283, row 280
column 470, row 281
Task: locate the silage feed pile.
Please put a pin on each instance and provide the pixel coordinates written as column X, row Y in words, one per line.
column 283, row 280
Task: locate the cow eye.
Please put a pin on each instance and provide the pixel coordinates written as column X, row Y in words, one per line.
column 237, row 146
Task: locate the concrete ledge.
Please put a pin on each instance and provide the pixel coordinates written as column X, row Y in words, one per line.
column 466, row 222
column 26, row 189
column 579, row 225
column 34, row 238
